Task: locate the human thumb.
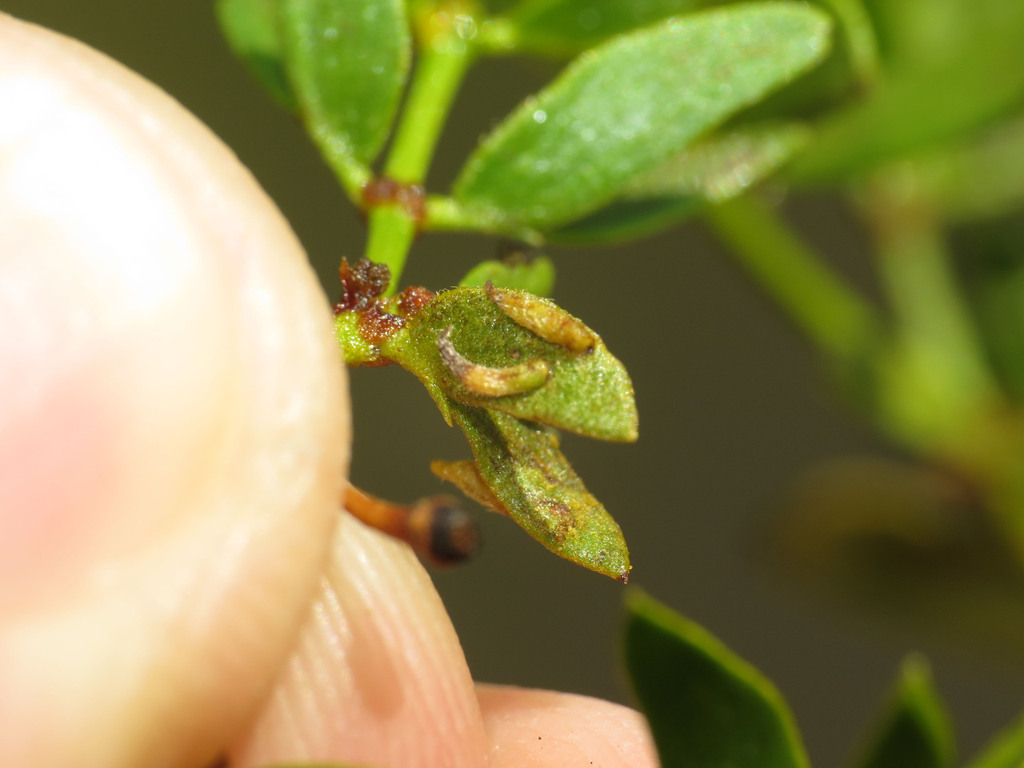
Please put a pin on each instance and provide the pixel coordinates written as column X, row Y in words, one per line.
column 173, row 421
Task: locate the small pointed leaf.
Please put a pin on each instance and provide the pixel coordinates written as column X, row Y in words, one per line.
column 914, row 731
column 519, row 466
column 707, row 708
column 627, row 107
column 586, row 389
column 253, row 30
column 347, row 61
column 536, row 276
column 566, row 27
column 1006, row 750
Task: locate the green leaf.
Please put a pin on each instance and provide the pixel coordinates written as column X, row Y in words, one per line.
column 724, row 166
column 537, row 275
column 567, row 27
column 914, row 731
column 520, row 471
column 982, row 180
column 1005, row 751
column 625, row 220
column 347, row 61
column 623, row 109
column 706, row 707
column 252, row 29
column 710, row 171
column 472, row 344
column 970, row 86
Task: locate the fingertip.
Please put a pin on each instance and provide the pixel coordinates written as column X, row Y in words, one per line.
column 529, row 728
column 378, row 676
column 174, row 441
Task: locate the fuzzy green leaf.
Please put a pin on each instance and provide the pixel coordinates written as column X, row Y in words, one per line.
column 586, row 390
column 625, row 108
column 914, row 731
column 712, row 170
column 347, row 61
column 520, row 471
column 706, row 707
column 252, row 29
column 536, row 275
column 1006, row 750
column 567, row 27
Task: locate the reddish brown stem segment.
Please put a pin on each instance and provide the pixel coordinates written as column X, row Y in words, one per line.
column 435, row 527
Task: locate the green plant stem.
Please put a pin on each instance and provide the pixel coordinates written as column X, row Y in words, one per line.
column 943, row 359
column 836, row 319
column 442, row 65
column 439, row 74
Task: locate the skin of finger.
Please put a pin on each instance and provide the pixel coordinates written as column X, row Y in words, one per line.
column 378, row 677
column 544, row 729
column 173, row 421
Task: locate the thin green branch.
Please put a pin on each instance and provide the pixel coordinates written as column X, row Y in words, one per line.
column 446, row 214
column 444, row 59
column 833, row 316
column 916, row 270
column 439, row 73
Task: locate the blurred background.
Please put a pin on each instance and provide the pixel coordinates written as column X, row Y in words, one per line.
column 737, row 424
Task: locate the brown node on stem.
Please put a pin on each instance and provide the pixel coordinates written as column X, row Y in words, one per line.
column 413, row 299
column 376, row 326
column 436, row 527
column 491, row 382
column 384, row 190
column 361, row 284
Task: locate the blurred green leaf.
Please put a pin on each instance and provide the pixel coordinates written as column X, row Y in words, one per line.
column 707, row 708
column 914, row 731
column 252, row 29
column 537, row 275
column 981, row 180
column 908, row 115
column 925, row 34
column 520, row 471
column 1006, row 750
column 710, row 171
column 585, row 389
column 994, row 279
column 625, row 108
column 347, row 61
column 567, row 27
column 859, row 39
column 949, row 78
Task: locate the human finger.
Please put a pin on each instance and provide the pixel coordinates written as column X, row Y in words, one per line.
column 378, row 677
column 173, row 428
column 544, row 729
